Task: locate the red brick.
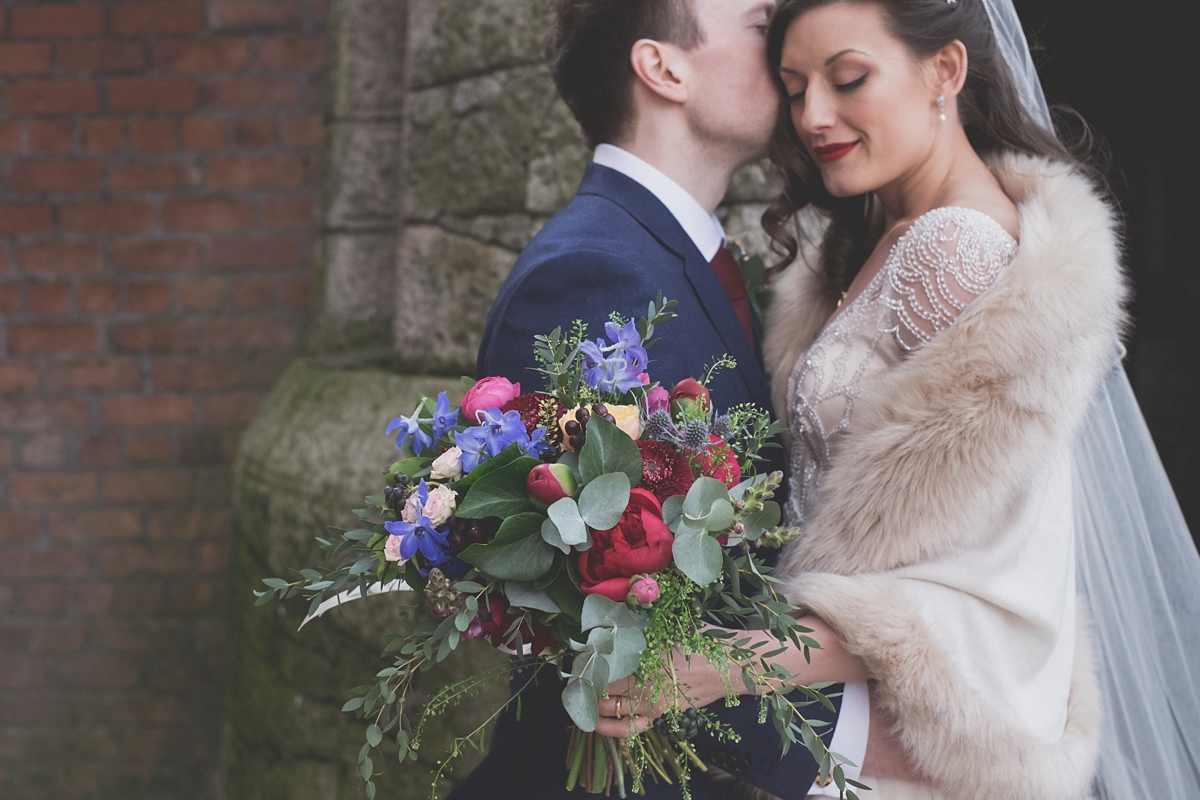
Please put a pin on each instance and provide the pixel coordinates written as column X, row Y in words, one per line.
column 303, row 131
column 10, row 297
column 110, row 374
column 99, row 297
column 99, row 452
column 98, row 671
column 60, row 259
column 151, row 449
column 152, row 135
column 156, row 486
column 58, row 636
column 298, row 53
column 157, row 337
column 256, row 172
column 153, row 94
column 149, row 177
column 101, row 55
column 52, row 97
column 256, row 131
column 101, row 525
column 24, row 58
column 147, row 19
column 32, row 416
column 10, row 137
column 250, row 334
column 150, row 298
column 19, row 218
column 102, row 135
column 18, row 376
column 200, row 448
column 57, row 176
column 53, row 338
column 49, row 298
column 201, row 295
column 289, row 212
column 50, row 135
column 58, row 19
column 196, row 374
column 253, row 93
column 205, row 55
column 230, row 409
column 272, row 253
column 164, row 256
column 20, row 673
column 50, row 488
column 210, row 213
column 295, row 294
column 18, row 526
column 42, row 598
column 248, row 15
column 107, row 217
column 44, row 451
column 143, row 598
column 191, row 595
column 91, row 599
column 203, row 134
column 6, row 458
column 145, row 411
column 212, row 558
column 253, row 294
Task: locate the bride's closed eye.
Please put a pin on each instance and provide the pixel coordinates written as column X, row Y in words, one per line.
column 852, row 85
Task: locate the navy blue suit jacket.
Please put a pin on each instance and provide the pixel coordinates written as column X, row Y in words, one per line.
column 613, row 248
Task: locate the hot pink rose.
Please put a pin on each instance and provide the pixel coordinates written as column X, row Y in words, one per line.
column 657, row 399
column 487, row 393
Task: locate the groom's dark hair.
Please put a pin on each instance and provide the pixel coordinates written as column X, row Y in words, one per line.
column 589, row 47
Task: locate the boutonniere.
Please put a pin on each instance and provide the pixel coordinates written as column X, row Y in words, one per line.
column 754, row 274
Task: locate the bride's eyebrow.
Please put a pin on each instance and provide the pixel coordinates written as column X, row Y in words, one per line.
column 838, row 55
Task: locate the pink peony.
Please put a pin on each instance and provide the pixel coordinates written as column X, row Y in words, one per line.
column 487, row 393
column 643, row 590
column 657, row 399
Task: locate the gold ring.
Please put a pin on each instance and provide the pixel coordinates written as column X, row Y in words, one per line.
column 618, row 708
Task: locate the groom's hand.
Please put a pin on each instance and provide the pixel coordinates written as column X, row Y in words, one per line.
column 629, row 710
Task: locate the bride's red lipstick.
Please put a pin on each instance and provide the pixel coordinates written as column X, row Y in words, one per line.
column 832, row 152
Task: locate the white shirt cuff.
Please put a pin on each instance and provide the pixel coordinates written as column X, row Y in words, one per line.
column 850, row 735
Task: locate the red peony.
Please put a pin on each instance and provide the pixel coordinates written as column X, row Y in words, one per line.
column 665, row 470
column 719, row 461
column 690, row 389
column 539, row 410
column 639, row 544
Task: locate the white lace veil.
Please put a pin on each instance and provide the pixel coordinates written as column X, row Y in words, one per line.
column 1138, row 568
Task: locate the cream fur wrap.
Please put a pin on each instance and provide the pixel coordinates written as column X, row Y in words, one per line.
column 943, row 442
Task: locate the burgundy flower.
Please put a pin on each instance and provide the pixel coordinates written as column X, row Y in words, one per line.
column 639, row 544
column 665, row 470
column 539, row 410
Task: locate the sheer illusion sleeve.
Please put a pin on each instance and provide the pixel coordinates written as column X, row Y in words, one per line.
column 945, row 260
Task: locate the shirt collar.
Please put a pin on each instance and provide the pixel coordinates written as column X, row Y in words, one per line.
column 703, row 228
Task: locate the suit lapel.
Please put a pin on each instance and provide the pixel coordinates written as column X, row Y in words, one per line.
column 655, row 218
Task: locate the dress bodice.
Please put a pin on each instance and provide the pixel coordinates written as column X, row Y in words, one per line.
column 947, row 257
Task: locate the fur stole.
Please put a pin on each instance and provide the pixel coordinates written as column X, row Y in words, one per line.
column 941, row 444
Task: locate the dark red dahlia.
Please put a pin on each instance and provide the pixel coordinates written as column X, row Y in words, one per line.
column 665, row 470
column 539, row 410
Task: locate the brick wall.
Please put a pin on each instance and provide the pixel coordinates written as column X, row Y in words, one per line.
column 156, row 206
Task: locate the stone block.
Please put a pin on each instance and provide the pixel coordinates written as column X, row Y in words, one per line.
column 355, row 297
column 315, row 449
column 453, row 39
column 365, row 62
column 447, row 284
column 362, row 175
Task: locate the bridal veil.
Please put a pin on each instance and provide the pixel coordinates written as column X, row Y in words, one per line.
column 1138, row 569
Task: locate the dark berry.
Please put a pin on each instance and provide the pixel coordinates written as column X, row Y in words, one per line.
column 458, row 541
column 400, row 479
column 576, row 442
column 475, row 533
column 583, row 415
column 599, row 408
column 572, row 428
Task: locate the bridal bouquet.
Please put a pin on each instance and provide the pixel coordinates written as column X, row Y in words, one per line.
column 596, row 527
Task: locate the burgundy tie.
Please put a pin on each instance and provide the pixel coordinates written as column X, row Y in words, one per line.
column 730, row 275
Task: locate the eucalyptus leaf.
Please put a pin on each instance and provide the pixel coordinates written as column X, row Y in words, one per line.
column 582, row 704
column 673, row 510
column 552, row 537
column 603, row 500
column 700, row 498
column 600, row 612
column 608, row 449
column 697, row 555
column 524, row 595
column 572, row 462
column 628, row 646
column 761, row 521
column 564, row 513
column 518, row 553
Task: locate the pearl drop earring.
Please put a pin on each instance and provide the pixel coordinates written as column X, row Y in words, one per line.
column 941, row 104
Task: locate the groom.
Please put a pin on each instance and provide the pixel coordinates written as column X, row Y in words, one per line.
column 675, row 96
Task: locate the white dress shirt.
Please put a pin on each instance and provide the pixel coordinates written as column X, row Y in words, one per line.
column 705, row 231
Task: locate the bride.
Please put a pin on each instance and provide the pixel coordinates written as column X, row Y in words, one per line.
column 989, row 537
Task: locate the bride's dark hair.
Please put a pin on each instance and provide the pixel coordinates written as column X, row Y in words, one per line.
column 989, row 106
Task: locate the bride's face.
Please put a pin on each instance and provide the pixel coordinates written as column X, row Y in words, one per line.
column 863, row 106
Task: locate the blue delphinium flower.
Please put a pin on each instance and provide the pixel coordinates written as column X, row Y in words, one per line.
column 534, row 445
column 502, row 430
column 420, row 536
column 410, row 426
column 443, row 417
column 615, row 367
column 473, row 443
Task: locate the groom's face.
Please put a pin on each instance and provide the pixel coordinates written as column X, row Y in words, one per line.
column 732, row 99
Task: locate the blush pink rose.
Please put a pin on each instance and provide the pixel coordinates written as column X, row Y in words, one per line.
column 487, row 393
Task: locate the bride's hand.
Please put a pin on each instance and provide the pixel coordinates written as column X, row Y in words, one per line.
column 628, row 710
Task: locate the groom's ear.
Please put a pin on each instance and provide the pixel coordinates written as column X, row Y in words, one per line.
column 660, row 67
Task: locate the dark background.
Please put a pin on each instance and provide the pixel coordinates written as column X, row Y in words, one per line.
column 1132, row 69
